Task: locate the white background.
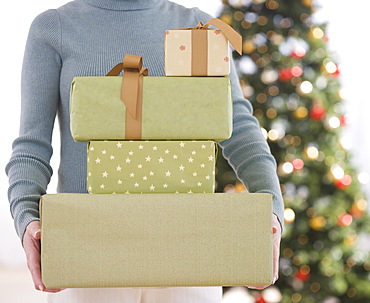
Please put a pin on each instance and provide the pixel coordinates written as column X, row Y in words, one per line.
column 347, row 38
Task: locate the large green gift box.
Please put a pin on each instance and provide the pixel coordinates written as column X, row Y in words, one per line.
column 183, row 108
column 156, row 240
column 151, row 167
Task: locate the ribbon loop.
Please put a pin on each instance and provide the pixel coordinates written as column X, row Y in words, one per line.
column 131, row 62
column 232, row 36
column 131, row 92
column 132, row 82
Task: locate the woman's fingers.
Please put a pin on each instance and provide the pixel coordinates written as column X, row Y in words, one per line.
column 276, row 230
column 32, row 249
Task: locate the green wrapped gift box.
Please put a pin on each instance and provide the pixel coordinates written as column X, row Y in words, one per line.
column 151, row 167
column 184, row 108
column 156, row 240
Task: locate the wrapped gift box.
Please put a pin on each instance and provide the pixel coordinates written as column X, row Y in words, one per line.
column 200, row 51
column 156, row 240
column 151, row 167
column 179, row 56
column 184, row 108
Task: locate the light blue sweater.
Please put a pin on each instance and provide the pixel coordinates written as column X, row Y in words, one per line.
column 87, row 38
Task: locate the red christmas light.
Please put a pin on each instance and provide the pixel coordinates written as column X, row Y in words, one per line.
column 296, row 71
column 317, row 112
column 298, row 52
column 344, row 182
column 285, row 74
column 345, row 220
column 298, row 164
column 356, row 212
column 337, row 72
column 260, row 299
column 302, row 275
column 343, row 120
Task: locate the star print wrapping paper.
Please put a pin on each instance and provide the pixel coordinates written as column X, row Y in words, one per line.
column 179, row 56
column 119, row 167
column 156, row 240
column 177, row 108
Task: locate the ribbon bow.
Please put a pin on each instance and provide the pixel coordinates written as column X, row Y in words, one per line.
column 200, row 25
column 131, row 92
column 132, row 83
column 231, row 35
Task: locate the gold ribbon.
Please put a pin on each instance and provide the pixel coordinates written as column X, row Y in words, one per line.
column 131, row 93
column 200, row 44
column 231, row 35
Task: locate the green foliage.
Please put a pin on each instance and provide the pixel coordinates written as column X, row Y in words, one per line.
column 292, row 80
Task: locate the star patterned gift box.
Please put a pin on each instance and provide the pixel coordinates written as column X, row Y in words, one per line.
column 115, row 167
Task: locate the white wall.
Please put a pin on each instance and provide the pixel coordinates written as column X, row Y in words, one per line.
column 15, row 19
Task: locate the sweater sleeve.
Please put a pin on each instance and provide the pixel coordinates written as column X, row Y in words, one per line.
column 29, row 169
column 247, row 150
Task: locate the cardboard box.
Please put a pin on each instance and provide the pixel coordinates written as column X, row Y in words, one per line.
column 118, row 167
column 146, row 240
column 177, row 108
column 180, row 54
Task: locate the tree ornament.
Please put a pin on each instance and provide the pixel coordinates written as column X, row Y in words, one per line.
column 317, row 112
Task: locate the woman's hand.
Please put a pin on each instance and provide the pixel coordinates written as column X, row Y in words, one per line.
column 32, row 248
column 276, row 229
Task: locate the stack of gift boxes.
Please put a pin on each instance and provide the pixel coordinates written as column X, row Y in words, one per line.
column 196, row 105
column 157, row 135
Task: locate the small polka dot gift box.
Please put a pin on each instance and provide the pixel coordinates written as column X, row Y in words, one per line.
column 200, row 51
column 124, row 167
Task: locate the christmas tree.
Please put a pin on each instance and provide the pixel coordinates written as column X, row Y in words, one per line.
column 292, row 80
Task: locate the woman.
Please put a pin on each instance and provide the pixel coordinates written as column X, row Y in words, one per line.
column 87, row 38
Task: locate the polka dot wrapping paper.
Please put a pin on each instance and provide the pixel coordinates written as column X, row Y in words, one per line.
column 179, row 53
